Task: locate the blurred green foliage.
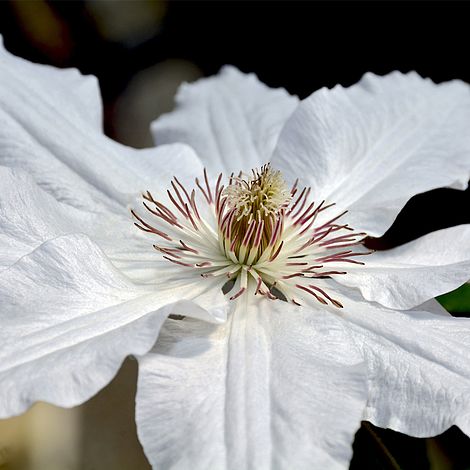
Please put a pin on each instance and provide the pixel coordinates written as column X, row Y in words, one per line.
column 457, row 301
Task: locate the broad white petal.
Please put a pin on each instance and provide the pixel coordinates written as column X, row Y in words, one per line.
column 407, row 276
column 79, row 95
column 275, row 387
column 372, row 146
column 29, row 216
column 419, row 373
column 48, row 127
column 232, row 120
column 68, row 319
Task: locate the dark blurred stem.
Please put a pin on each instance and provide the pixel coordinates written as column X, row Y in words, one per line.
column 391, row 459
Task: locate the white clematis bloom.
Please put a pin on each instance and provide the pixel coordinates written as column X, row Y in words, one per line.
column 313, row 332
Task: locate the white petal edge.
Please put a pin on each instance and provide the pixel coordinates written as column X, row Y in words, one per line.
column 433, row 306
column 232, row 120
column 48, row 128
column 411, row 274
column 274, row 387
column 371, row 147
column 79, row 94
column 69, row 319
column 419, row 374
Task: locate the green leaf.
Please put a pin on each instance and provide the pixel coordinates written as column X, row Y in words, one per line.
column 457, row 301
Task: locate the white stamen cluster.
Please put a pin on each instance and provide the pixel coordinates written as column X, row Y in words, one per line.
column 264, row 193
column 256, row 232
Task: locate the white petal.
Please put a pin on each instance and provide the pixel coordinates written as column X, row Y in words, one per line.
column 232, row 120
column 372, row 146
column 48, row 127
column 407, row 276
column 68, row 320
column 419, row 373
column 29, row 216
column 77, row 94
column 433, row 306
column 275, row 387
column 157, row 166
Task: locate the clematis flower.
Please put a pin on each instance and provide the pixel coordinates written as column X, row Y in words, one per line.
column 245, row 224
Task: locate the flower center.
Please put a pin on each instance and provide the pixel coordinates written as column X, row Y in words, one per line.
column 253, row 214
column 267, row 238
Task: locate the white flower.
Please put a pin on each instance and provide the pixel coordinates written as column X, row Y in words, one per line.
column 276, row 385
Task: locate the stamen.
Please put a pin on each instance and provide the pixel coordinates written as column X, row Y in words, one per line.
column 255, row 231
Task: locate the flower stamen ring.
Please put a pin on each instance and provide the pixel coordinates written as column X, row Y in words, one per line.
column 256, row 232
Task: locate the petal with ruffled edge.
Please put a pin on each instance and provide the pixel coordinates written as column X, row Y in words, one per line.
column 407, row 276
column 232, row 120
column 69, row 319
column 49, row 127
column 274, row 387
column 371, row 147
column 419, row 377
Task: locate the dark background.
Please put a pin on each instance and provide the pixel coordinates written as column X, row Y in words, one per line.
column 137, row 49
